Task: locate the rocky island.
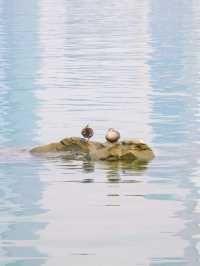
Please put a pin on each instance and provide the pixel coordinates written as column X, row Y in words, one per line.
column 79, row 148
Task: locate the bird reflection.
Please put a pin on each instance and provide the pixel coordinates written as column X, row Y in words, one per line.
column 113, row 171
column 88, row 166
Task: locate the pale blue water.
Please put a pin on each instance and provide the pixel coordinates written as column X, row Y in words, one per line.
column 133, row 65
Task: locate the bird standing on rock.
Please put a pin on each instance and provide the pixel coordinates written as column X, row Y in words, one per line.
column 112, row 135
column 87, row 132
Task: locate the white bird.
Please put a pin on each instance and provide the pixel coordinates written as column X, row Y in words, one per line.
column 112, row 135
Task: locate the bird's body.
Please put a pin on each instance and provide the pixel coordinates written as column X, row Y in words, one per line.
column 87, row 132
column 112, row 135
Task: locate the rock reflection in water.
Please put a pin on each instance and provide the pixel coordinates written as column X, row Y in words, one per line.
column 115, row 170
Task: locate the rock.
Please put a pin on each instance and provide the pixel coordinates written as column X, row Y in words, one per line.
column 127, row 150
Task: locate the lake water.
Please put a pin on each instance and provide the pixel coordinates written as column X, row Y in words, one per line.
column 132, row 65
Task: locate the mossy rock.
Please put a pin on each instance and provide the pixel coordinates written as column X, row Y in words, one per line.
column 127, row 150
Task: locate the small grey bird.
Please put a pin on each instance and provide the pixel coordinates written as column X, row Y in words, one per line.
column 112, row 135
column 87, row 132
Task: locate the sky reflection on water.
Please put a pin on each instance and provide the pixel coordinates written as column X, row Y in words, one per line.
column 133, row 65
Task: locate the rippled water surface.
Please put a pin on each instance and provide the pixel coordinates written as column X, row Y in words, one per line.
column 133, row 65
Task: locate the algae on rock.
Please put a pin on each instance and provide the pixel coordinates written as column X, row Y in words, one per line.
column 127, row 150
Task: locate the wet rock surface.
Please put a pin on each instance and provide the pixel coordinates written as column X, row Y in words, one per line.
column 126, row 150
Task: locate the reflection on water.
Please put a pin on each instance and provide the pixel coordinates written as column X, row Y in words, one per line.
column 83, row 60
column 133, row 65
column 20, row 192
column 18, row 58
